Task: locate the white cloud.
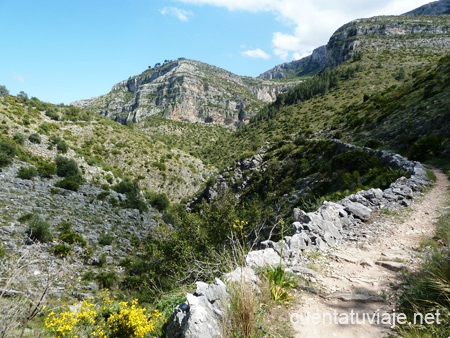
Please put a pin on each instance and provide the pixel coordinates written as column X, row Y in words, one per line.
column 180, row 14
column 257, row 54
column 312, row 22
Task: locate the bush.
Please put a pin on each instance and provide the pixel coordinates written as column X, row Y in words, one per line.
column 106, row 280
column 108, row 318
column 68, row 236
column 39, row 230
column 61, row 250
column 27, row 173
column 46, row 169
column 133, row 193
column 66, row 167
column 61, row 145
column 159, row 201
column 72, row 183
column 105, row 238
column 5, row 160
column 19, row 138
column 35, row 138
column 426, row 147
column 7, row 153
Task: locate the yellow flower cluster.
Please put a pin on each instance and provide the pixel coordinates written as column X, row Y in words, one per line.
column 239, row 224
column 131, row 321
column 107, row 319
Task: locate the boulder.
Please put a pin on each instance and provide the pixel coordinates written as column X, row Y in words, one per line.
column 358, row 210
column 201, row 315
column 263, row 258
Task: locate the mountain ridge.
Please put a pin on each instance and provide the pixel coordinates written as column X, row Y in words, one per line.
column 186, row 90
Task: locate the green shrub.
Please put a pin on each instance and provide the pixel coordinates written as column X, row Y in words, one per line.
column 46, row 169
column 5, row 160
column 66, row 167
column 426, row 147
column 68, row 236
column 159, row 201
column 7, row 152
column 27, row 173
column 35, row 138
column 72, row 183
column 45, row 127
column 2, row 251
column 39, row 229
column 105, row 238
column 106, row 280
column 52, row 114
column 61, row 145
column 132, row 191
column 61, row 250
column 19, row 138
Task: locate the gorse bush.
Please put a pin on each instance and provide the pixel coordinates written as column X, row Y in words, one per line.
column 108, row 318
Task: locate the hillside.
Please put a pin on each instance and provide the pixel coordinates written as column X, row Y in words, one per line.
column 186, row 90
column 401, row 35
column 168, row 196
column 106, row 151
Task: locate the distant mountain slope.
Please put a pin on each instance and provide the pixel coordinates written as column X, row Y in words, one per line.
column 186, row 90
column 433, row 8
column 375, row 35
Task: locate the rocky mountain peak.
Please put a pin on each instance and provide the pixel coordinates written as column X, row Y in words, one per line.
column 433, row 8
column 187, row 90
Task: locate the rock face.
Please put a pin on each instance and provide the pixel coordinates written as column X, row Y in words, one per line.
column 201, row 315
column 433, row 8
column 187, row 90
column 375, row 35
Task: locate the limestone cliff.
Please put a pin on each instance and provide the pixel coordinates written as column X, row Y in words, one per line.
column 187, row 90
column 383, row 34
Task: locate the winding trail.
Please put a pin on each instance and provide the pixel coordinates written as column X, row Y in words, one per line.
column 363, row 278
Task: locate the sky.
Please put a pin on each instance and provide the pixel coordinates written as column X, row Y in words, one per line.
column 65, row 50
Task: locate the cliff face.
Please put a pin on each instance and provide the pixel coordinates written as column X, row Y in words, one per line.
column 433, row 8
column 187, row 90
column 429, row 34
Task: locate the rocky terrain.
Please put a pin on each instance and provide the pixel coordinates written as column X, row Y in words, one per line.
column 110, row 232
column 331, row 226
column 187, row 90
column 313, row 162
column 373, row 35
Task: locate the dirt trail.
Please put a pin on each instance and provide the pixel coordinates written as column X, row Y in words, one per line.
column 354, row 283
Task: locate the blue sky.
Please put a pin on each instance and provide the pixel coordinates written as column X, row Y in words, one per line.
column 64, row 50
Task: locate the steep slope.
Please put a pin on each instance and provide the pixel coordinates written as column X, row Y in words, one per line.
column 186, row 90
column 106, row 151
column 384, row 34
column 436, row 7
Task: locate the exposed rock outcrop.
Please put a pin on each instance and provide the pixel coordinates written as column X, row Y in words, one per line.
column 187, row 90
column 433, row 8
column 375, row 34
